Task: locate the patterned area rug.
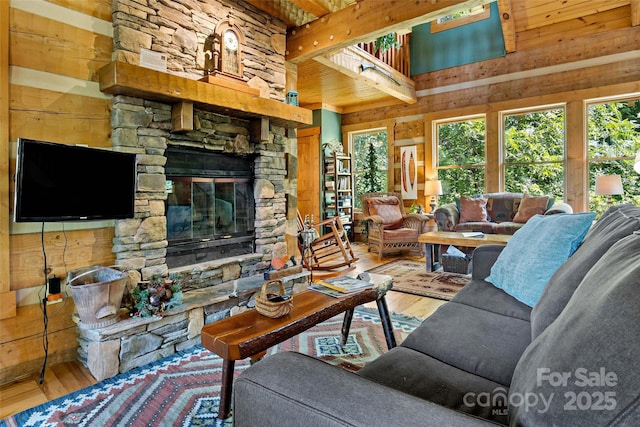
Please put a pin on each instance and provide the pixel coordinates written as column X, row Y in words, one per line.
column 411, row 277
column 183, row 389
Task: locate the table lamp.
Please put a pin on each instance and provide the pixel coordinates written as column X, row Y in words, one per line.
column 433, row 188
column 608, row 185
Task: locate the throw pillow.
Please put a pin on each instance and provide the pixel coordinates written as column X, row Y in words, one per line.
column 530, row 206
column 536, row 251
column 473, row 209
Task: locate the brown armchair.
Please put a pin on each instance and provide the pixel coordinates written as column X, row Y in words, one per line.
column 389, row 227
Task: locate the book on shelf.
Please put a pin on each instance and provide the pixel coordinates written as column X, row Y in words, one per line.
column 345, row 284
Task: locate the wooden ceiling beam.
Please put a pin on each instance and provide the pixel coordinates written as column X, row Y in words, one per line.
column 314, row 7
column 364, row 21
column 359, row 65
column 508, row 25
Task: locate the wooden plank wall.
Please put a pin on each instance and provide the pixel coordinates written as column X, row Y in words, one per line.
column 580, row 61
column 55, row 49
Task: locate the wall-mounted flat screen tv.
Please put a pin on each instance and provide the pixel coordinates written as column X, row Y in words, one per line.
column 59, row 182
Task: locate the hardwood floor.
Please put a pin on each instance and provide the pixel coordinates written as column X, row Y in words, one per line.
column 68, row 377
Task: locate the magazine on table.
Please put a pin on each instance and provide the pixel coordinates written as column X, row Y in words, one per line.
column 345, row 284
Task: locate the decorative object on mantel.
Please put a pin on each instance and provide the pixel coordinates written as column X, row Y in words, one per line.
column 156, row 296
column 608, row 185
column 292, row 98
column 433, row 188
column 223, row 50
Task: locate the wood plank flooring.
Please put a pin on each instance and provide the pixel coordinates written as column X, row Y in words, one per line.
column 68, row 377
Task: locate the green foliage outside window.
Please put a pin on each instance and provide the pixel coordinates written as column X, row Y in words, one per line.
column 534, row 153
column 370, row 163
column 614, row 140
column 461, row 158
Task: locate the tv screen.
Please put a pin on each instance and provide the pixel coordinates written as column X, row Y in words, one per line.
column 58, row 182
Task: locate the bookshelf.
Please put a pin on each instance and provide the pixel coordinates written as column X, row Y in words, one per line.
column 338, row 189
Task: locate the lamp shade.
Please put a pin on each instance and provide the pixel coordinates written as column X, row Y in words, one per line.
column 636, row 165
column 433, row 188
column 608, row 185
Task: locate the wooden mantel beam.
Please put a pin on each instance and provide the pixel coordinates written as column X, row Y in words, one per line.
column 364, row 21
column 120, row 78
column 360, row 65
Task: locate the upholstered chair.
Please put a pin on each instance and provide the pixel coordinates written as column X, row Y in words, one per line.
column 389, row 227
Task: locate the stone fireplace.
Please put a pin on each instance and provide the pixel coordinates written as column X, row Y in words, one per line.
column 238, row 128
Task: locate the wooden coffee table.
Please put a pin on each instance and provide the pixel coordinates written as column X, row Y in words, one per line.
column 433, row 238
column 250, row 334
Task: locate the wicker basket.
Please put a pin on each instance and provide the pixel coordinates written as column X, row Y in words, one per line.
column 273, row 309
column 455, row 264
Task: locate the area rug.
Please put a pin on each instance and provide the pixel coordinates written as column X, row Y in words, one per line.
column 411, row 277
column 183, row 389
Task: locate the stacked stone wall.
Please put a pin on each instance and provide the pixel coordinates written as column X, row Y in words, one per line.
column 179, row 28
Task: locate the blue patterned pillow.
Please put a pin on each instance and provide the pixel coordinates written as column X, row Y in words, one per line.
column 536, row 251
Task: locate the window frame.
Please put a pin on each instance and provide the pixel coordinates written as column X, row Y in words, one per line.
column 502, row 115
column 436, row 144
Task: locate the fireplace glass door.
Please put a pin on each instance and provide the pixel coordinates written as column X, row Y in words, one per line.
column 200, row 209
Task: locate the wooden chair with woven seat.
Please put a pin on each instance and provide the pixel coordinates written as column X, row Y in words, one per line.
column 389, row 227
column 330, row 250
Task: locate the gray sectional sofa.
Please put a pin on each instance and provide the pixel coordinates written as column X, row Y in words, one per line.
column 486, row 357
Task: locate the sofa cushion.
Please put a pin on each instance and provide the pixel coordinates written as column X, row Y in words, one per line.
column 427, row 378
column 595, row 337
column 389, row 209
column 485, row 296
column 530, row 206
column 473, row 209
column 484, row 226
column 477, row 341
column 502, row 206
column 507, row 227
column 536, row 251
column 617, row 222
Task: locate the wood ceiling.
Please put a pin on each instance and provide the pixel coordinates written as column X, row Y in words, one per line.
column 525, row 24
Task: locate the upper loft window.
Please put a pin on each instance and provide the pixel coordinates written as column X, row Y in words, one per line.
column 461, row 17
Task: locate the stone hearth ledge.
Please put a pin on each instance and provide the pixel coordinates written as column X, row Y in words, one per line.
column 137, row 341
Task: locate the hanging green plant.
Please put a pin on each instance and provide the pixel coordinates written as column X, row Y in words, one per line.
column 385, row 43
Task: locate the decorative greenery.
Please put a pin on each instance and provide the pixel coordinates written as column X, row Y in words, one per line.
column 384, row 43
column 156, row 297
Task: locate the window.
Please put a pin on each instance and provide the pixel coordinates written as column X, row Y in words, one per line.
column 461, row 17
column 370, row 162
column 461, row 157
column 614, row 140
column 534, row 157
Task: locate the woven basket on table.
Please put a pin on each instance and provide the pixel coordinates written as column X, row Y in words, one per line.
column 272, row 309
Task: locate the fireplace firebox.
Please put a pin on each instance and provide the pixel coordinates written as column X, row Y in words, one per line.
column 210, row 206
